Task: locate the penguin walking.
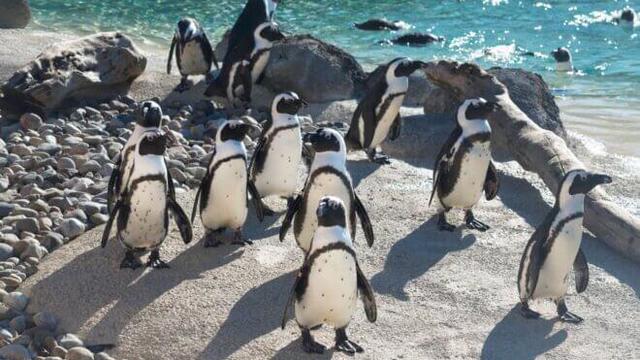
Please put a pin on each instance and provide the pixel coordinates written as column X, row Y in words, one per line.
column 142, row 211
column 327, row 286
column 328, row 176
column 245, row 65
column 463, row 168
column 193, row 52
column 555, row 247
column 563, row 59
column 148, row 118
column 378, row 113
column 222, row 196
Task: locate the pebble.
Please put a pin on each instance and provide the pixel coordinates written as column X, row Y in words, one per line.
column 65, row 163
column 6, row 209
column 21, row 150
column 90, row 166
column 11, row 281
column 52, row 240
column 59, row 351
column 102, row 356
column 79, row 353
column 18, row 324
column 99, row 219
column 72, row 129
column 28, row 224
column 6, row 251
column 71, row 228
column 31, row 121
column 15, row 352
column 69, row 341
column 78, row 115
column 178, row 175
column 16, row 300
column 45, row 320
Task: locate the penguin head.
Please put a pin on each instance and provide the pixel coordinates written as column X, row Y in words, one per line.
column 188, row 29
column 581, row 181
column 267, row 33
column 232, row 130
column 628, row 15
column 286, row 103
column 403, row 67
column 475, row 109
column 325, row 140
column 152, row 142
column 331, row 212
column 149, row 114
column 561, row 54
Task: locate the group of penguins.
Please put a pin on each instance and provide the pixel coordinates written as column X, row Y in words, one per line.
column 141, row 192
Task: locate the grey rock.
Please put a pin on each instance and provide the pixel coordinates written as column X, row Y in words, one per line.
column 15, row 352
column 29, row 224
column 99, row 219
column 69, row 341
column 178, row 175
column 6, row 209
column 103, row 356
column 71, row 228
column 18, row 324
column 15, row 14
column 79, row 353
column 6, row 251
column 78, row 214
column 35, row 249
column 78, row 115
column 30, row 121
column 92, row 207
column 52, row 240
column 45, row 320
column 90, row 166
column 63, row 203
column 59, row 351
column 40, row 205
column 11, row 281
column 21, row 150
column 51, row 149
column 16, row 300
column 25, row 211
column 65, row 163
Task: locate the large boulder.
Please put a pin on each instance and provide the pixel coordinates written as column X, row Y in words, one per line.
column 222, row 46
column 15, row 14
column 99, row 67
column 317, row 71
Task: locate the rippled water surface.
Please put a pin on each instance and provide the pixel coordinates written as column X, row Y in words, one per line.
column 602, row 100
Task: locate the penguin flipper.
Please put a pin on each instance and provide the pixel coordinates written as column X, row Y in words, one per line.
column 299, row 285
column 491, row 182
column 367, row 295
column 186, row 232
column 195, row 205
column 207, row 51
column 447, row 151
column 364, row 220
column 537, row 256
column 397, row 128
column 259, row 156
column 288, row 218
column 581, row 268
column 172, row 189
column 113, row 181
column 107, row 228
column 256, row 199
column 247, row 82
column 170, row 59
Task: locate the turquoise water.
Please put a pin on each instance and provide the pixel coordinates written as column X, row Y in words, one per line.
column 607, row 56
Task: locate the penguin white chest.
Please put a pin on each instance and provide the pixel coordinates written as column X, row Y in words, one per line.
column 227, row 200
column 145, row 226
column 469, row 183
column 280, row 172
column 385, row 120
column 192, row 60
column 324, row 184
column 552, row 279
column 259, row 65
column 331, row 294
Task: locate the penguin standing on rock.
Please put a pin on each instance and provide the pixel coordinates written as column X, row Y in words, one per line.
column 274, row 166
column 378, row 113
column 555, row 247
column 222, row 196
column 194, row 54
column 142, row 211
column 463, row 168
column 328, row 175
column 327, row 285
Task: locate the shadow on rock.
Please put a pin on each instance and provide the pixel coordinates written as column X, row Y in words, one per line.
column 523, row 198
column 600, row 255
column 414, row 255
column 257, row 313
column 515, row 337
column 361, row 169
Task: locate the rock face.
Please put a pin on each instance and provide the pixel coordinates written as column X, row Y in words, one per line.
column 97, row 66
column 317, row 71
column 15, row 14
column 221, row 47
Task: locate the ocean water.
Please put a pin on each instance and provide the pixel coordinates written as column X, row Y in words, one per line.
column 602, row 100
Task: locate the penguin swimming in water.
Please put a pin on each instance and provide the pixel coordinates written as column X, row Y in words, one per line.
column 222, row 196
column 254, row 13
column 378, row 113
column 274, row 166
column 148, row 118
column 555, row 247
column 245, row 65
column 142, row 211
column 194, row 54
column 380, row 24
column 327, row 286
column 463, row 168
column 414, row 39
column 627, row 18
column 563, row 59
column 328, row 175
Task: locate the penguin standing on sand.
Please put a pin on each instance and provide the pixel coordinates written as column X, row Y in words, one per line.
column 194, row 54
column 274, row 166
column 378, row 113
column 328, row 176
column 563, row 59
column 245, row 65
column 327, row 285
column 222, row 196
column 142, row 211
column 555, row 247
column 148, row 118
column 463, row 168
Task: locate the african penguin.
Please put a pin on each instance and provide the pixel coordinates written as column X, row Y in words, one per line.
column 415, row 39
column 563, row 59
column 245, row 65
column 627, row 18
column 378, row 113
column 274, row 166
column 142, row 210
column 379, row 24
column 148, row 117
column 554, row 248
column 194, row 54
column 222, row 196
column 328, row 176
column 326, row 288
column 463, row 168
column 255, row 12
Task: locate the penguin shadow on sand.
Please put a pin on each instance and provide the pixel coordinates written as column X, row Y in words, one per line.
column 256, row 313
column 360, row 169
column 515, row 337
column 411, row 257
column 294, row 351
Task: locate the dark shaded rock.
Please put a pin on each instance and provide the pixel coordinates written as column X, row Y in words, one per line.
column 15, row 14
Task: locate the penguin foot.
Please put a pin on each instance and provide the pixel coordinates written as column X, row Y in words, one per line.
column 266, row 211
column 443, row 225
column 130, row 261
column 212, row 239
column 309, row 344
column 155, row 261
column 209, row 78
column 567, row 316
column 183, row 86
column 474, row 224
column 343, row 344
column 527, row 313
column 238, row 239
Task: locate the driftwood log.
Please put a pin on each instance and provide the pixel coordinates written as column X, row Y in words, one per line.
column 538, row 150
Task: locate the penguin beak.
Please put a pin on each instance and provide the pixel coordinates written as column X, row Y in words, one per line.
column 589, row 183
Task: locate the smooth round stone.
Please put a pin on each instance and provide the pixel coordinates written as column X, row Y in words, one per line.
column 59, row 351
column 6, row 251
column 178, row 175
column 69, row 341
column 78, row 214
column 21, row 150
column 103, row 356
column 63, row 203
column 18, row 324
column 79, row 353
column 99, row 219
column 6, row 209
column 29, row 224
column 71, row 228
column 25, row 211
column 40, row 205
column 48, row 148
column 34, row 250
column 90, row 166
column 16, row 300
column 45, row 320
column 15, row 352
column 5, row 334
column 91, row 207
column 52, row 240
column 72, row 129
column 94, row 140
column 66, row 163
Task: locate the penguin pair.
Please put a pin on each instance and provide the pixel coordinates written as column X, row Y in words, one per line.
column 144, row 196
column 193, row 52
column 326, row 288
column 378, row 113
column 554, row 248
column 328, row 176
